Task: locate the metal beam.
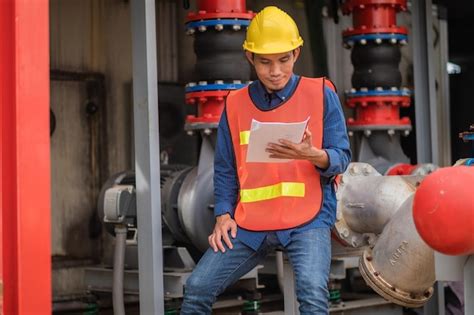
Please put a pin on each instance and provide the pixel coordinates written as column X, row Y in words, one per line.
column 427, row 131
column 147, row 156
column 436, row 304
column 445, row 108
column 469, row 285
column 25, row 188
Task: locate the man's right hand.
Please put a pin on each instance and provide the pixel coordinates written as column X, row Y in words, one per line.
column 224, row 223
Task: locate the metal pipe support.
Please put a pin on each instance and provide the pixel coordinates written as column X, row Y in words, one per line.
column 119, row 266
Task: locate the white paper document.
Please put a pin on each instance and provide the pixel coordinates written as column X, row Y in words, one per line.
column 263, row 133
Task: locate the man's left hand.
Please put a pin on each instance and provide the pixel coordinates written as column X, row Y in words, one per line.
column 299, row 151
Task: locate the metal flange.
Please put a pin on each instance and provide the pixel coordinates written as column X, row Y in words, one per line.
column 210, row 104
column 204, row 96
column 217, row 86
column 376, row 281
column 379, row 91
column 364, row 101
column 365, row 36
column 368, row 128
column 379, row 107
column 205, row 119
column 205, row 15
column 217, row 24
column 346, row 235
column 349, row 6
column 403, row 123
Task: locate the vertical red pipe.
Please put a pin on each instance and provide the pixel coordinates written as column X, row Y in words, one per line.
column 222, row 6
column 24, row 157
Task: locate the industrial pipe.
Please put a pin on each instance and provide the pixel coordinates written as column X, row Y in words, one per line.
column 367, row 201
column 377, row 93
column 368, row 210
column 376, row 210
column 119, row 266
column 218, row 28
column 374, row 38
column 400, row 267
column 409, row 169
column 444, row 210
column 280, row 270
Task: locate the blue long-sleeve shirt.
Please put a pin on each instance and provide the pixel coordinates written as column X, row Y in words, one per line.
column 335, row 143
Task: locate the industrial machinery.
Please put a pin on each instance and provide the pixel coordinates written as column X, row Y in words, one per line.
column 218, row 28
column 379, row 215
column 377, row 94
column 375, row 220
column 403, row 234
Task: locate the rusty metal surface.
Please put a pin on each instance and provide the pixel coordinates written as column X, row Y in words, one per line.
column 73, row 173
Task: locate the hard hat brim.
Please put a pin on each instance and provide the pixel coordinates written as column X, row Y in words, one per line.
column 277, row 48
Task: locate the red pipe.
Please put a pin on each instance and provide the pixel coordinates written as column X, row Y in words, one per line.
column 372, row 17
column 381, row 113
column 237, row 6
column 210, row 106
column 220, row 9
column 401, row 169
column 211, row 103
column 382, row 16
column 25, row 158
column 443, row 210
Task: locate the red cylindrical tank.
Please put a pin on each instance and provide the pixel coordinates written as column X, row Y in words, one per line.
column 443, row 210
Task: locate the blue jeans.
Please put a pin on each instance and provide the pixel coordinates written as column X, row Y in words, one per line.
column 309, row 253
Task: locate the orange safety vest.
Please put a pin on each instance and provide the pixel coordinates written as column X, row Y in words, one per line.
column 276, row 196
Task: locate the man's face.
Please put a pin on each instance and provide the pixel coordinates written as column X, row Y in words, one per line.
column 274, row 70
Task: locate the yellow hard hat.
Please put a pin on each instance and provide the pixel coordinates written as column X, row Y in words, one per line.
column 272, row 31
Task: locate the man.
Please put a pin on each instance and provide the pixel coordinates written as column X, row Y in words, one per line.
column 265, row 205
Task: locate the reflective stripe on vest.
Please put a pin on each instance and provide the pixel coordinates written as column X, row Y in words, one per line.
column 276, row 196
column 244, row 137
column 284, row 189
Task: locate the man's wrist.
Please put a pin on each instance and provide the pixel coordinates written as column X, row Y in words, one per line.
column 222, row 207
column 319, row 158
column 223, row 216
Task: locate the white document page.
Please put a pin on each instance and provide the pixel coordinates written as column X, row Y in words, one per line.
column 263, row 133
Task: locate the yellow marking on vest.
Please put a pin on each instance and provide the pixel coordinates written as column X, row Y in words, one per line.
column 244, row 137
column 283, row 189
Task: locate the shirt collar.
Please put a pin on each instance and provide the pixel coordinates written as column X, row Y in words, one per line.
column 282, row 94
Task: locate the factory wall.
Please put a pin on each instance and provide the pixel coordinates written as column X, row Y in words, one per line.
column 86, row 36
